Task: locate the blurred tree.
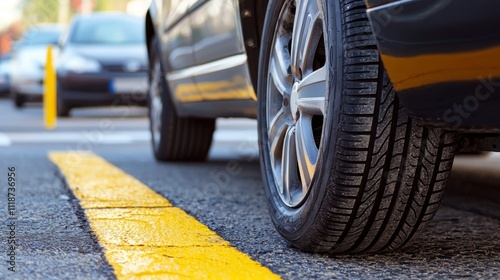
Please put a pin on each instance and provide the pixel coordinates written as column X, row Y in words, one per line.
column 48, row 11
column 101, row 5
column 116, row 5
column 39, row 11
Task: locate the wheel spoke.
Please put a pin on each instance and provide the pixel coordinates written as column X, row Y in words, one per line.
column 307, row 152
column 283, row 54
column 312, row 93
column 289, row 174
column 277, row 130
column 156, row 105
column 280, row 67
column 156, row 102
column 306, row 36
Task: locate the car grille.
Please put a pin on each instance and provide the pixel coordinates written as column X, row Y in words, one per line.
column 119, row 68
column 96, row 86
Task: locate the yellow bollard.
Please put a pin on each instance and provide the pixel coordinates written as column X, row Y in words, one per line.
column 50, row 94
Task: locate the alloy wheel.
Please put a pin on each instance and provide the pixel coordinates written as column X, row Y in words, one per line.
column 296, row 99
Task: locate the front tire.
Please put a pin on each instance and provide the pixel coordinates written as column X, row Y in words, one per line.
column 63, row 108
column 345, row 169
column 174, row 138
column 18, row 99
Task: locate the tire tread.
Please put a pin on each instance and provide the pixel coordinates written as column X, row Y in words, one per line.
column 389, row 172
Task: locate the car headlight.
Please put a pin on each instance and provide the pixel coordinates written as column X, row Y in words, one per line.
column 28, row 65
column 78, row 64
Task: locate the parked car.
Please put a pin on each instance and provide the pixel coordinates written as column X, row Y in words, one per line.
column 5, row 69
column 28, row 63
column 103, row 62
column 349, row 165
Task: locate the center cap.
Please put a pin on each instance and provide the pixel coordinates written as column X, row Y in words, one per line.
column 293, row 101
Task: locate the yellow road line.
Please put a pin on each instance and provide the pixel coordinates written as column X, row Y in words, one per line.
column 143, row 235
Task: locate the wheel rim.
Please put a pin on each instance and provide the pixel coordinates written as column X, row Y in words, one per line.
column 156, row 105
column 296, row 99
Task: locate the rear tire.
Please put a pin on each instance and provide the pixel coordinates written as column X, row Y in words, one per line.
column 345, row 169
column 174, row 138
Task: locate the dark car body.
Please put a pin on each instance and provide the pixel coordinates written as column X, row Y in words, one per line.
column 207, row 56
column 96, row 69
column 443, row 58
column 431, row 71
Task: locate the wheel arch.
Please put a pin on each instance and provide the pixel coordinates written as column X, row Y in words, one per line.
column 252, row 14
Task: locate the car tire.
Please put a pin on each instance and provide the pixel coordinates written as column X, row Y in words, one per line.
column 63, row 108
column 174, row 138
column 19, row 100
column 345, row 169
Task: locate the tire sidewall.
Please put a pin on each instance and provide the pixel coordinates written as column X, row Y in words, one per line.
column 62, row 105
column 18, row 99
column 294, row 223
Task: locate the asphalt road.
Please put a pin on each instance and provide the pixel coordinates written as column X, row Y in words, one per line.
column 54, row 240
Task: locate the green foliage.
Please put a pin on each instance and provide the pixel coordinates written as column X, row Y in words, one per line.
column 107, row 5
column 47, row 11
column 39, row 11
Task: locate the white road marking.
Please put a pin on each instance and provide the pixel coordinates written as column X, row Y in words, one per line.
column 96, row 137
column 4, row 140
column 233, row 135
column 91, row 136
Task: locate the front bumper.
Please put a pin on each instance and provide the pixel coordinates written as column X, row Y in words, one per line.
column 102, row 89
column 30, row 87
column 443, row 58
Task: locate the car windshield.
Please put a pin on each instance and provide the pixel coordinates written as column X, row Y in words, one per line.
column 108, row 30
column 40, row 36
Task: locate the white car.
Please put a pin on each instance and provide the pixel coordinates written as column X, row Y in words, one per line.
column 28, row 63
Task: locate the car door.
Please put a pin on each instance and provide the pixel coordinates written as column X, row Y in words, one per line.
column 177, row 36
column 219, row 51
column 177, row 49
